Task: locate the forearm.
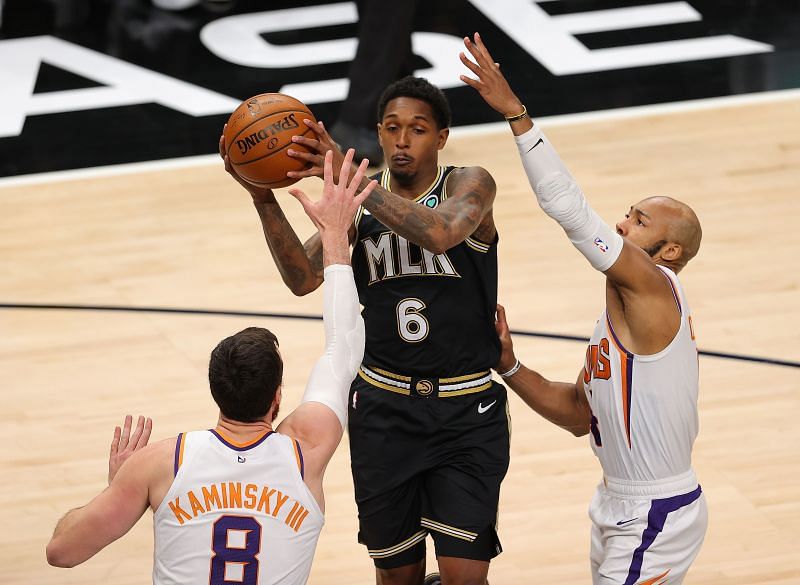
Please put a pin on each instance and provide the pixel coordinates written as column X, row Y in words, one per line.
column 558, row 402
column 416, row 223
column 335, row 249
column 64, row 550
column 330, row 379
column 560, row 197
column 300, row 265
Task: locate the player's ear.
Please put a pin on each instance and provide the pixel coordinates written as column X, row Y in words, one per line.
column 671, row 251
column 443, row 135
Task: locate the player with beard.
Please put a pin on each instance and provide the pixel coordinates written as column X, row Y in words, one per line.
column 429, row 434
column 637, row 392
column 241, row 502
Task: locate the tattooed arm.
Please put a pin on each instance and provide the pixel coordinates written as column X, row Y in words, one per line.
column 300, row 264
column 466, row 211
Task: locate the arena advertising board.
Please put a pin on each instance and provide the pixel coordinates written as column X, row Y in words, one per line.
column 97, row 83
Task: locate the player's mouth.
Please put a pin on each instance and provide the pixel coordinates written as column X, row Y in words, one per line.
column 402, row 160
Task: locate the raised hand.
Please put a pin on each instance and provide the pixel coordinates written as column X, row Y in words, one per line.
column 319, row 145
column 335, row 211
column 490, row 82
column 123, row 445
column 259, row 194
column 333, row 214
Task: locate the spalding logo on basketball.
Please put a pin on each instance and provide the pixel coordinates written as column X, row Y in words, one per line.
column 258, row 134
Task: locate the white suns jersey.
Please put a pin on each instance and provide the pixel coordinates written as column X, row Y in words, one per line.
column 644, row 408
column 236, row 513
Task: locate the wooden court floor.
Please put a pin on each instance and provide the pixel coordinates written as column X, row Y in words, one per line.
column 189, row 238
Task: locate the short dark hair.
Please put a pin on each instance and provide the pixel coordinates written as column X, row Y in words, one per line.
column 421, row 89
column 245, row 372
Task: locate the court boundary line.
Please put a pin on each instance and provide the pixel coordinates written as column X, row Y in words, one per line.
column 625, row 113
column 305, row 317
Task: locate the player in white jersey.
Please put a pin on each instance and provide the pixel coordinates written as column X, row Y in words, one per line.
column 637, row 392
column 241, row 503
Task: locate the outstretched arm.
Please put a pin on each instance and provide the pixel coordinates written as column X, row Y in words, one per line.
column 318, row 423
column 561, row 403
column 471, row 192
column 300, row 265
column 557, row 191
column 639, row 297
column 84, row 531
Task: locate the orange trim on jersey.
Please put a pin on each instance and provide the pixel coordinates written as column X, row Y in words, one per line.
column 626, row 371
column 227, row 439
column 655, row 580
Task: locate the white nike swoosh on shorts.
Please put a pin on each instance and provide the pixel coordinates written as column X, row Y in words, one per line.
column 482, row 408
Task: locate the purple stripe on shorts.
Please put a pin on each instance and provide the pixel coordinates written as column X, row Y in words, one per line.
column 659, row 509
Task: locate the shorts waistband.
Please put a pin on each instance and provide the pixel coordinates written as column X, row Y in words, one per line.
column 426, row 387
column 661, row 488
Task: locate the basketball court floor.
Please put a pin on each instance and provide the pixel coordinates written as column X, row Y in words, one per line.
column 118, row 281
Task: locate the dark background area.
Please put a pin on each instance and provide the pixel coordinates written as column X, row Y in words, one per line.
column 168, row 42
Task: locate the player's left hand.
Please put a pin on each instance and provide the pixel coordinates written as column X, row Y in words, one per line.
column 491, row 83
column 124, row 444
column 507, row 357
column 320, row 144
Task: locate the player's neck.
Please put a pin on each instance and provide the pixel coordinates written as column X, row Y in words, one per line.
column 242, row 432
column 413, row 187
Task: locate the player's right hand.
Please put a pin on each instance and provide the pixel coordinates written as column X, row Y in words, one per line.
column 318, row 147
column 123, row 445
column 491, row 83
column 507, row 357
column 259, row 194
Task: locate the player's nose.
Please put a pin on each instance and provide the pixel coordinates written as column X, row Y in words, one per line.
column 622, row 228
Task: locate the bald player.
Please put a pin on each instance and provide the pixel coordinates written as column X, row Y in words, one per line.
column 637, row 391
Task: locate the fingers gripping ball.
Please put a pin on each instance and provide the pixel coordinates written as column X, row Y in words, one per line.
column 258, row 134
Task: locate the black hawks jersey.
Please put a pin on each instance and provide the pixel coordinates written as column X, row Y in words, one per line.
column 425, row 314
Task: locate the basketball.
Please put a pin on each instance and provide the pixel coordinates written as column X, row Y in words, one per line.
column 258, row 134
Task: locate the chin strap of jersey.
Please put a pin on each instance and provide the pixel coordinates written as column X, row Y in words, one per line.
column 561, row 198
column 330, row 379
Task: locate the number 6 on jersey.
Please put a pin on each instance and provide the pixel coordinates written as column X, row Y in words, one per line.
column 411, row 324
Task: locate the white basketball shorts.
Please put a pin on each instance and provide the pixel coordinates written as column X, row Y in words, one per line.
column 646, row 533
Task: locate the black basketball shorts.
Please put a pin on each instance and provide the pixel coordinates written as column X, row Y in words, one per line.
column 427, row 465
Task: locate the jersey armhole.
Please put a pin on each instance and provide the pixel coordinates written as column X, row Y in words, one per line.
column 179, row 446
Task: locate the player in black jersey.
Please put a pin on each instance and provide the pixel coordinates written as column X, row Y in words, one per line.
column 429, row 434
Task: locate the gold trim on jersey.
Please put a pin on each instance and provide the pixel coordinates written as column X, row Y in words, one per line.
column 448, row 387
column 398, row 548
column 477, row 245
column 357, row 219
column 448, row 530
column 386, row 182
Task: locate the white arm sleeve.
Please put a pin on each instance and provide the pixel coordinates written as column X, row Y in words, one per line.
column 329, row 382
column 561, row 198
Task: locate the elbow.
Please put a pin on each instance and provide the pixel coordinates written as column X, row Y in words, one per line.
column 579, row 431
column 58, row 557
column 439, row 245
column 301, row 289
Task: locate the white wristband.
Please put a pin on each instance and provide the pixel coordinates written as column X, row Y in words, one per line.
column 512, row 371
